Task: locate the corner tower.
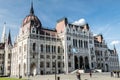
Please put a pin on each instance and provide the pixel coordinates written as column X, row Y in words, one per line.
column 31, row 23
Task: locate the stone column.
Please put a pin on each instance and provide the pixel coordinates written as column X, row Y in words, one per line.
column 73, row 62
column 28, row 57
column 38, row 66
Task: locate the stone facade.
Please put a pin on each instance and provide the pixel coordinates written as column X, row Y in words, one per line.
column 5, row 56
column 113, row 60
column 37, row 50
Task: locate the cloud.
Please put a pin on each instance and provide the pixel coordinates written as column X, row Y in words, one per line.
column 115, row 42
column 80, row 22
column 94, row 34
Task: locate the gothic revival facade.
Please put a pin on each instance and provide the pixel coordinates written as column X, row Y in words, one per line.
column 5, row 53
column 38, row 50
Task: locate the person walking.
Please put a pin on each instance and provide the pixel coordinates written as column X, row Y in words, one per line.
column 111, row 74
column 90, row 73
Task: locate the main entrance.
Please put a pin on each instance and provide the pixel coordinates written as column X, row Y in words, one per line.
column 86, row 63
column 76, row 62
column 81, row 62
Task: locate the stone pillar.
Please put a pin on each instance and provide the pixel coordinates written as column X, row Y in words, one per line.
column 28, row 57
column 73, row 62
column 38, row 66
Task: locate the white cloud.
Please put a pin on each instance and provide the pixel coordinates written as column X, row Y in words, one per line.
column 115, row 42
column 80, row 22
column 94, row 34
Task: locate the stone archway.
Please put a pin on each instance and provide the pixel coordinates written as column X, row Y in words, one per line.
column 76, row 62
column 107, row 67
column 33, row 69
column 81, row 62
column 86, row 63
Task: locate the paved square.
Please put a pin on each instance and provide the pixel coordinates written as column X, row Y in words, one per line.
column 85, row 76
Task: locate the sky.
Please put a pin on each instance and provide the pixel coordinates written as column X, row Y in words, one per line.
column 103, row 16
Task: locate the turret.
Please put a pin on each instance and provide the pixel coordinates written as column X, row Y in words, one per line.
column 9, row 42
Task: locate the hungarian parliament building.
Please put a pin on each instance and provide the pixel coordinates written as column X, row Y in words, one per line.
column 38, row 50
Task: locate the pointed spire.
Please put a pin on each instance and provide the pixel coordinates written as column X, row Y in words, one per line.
column 32, row 10
column 9, row 38
column 115, row 51
column 3, row 38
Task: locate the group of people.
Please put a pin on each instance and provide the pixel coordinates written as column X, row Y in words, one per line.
column 115, row 74
column 78, row 74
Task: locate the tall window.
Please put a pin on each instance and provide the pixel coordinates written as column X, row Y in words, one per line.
column 41, row 64
column 74, row 42
column 81, row 42
column 48, row 48
column 58, row 49
column 47, row 64
column 9, row 56
column 69, row 64
column 85, row 44
column 34, row 45
column 33, row 30
column 41, row 48
column 59, row 64
column 54, row 49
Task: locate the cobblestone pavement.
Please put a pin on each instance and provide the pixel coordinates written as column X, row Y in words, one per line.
column 85, row 76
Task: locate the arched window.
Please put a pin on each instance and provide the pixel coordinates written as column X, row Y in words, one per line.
column 58, row 49
column 79, row 44
column 41, row 48
column 34, row 45
column 33, row 30
column 52, row 48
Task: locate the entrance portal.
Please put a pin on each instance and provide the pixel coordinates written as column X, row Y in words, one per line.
column 86, row 63
column 76, row 62
column 81, row 62
column 33, row 69
column 107, row 67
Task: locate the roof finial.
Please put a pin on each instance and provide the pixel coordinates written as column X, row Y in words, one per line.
column 32, row 10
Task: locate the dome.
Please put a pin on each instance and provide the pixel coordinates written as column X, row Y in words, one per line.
column 34, row 20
